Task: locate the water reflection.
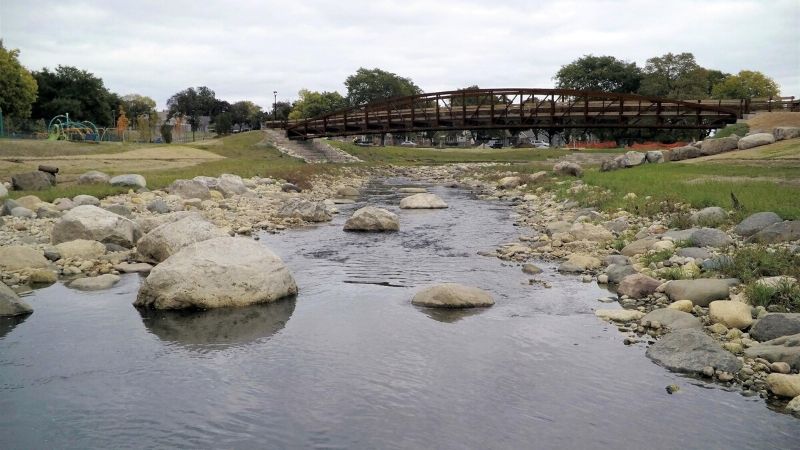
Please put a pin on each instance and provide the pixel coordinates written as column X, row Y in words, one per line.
column 219, row 327
column 7, row 324
column 450, row 315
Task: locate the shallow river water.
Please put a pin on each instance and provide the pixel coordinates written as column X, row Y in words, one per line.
column 350, row 363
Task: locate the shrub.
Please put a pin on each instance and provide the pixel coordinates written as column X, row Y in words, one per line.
column 786, row 294
column 166, row 133
column 739, row 129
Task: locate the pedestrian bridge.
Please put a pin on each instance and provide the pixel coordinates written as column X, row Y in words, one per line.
column 527, row 108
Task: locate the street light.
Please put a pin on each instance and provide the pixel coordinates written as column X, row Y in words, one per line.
column 275, row 106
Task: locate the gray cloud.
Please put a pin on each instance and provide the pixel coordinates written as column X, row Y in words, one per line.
column 247, row 49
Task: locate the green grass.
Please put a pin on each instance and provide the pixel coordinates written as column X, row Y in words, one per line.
column 656, row 257
column 785, row 294
column 668, row 183
column 419, row 156
column 45, row 148
column 748, row 264
column 97, row 190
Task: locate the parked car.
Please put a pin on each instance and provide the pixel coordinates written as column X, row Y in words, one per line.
column 540, row 144
column 408, row 144
column 494, row 143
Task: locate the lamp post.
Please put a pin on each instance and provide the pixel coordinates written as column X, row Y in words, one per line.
column 275, row 106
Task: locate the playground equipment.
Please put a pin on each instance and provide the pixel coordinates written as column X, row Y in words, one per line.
column 62, row 128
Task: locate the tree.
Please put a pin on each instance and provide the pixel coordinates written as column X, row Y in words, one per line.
column 746, row 84
column 193, row 103
column 599, row 73
column 166, row 132
column 136, row 105
column 675, row 76
column 76, row 92
column 17, row 86
column 223, row 123
column 281, row 111
column 312, row 104
column 245, row 112
column 367, row 86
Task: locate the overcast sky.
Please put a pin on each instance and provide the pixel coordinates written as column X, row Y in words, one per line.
column 244, row 50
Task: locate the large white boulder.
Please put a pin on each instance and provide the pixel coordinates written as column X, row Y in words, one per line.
column 422, row 201
column 131, row 180
column 168, row 239
column 81, row 249
column 756, row 140
column 220, row 272
column 371, row 218
column 189, row 189
column 731, row 314
column 230, row 185
column 95, row 224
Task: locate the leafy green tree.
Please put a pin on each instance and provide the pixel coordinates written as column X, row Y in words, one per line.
column 312, row 104
column 367, row 86
column 74, row 91
column 675, row 76
column 281, row 111
column 17, row 86
column 746, row 84
column 599, row 73
column 246, row 112
column 136, row 105
column 193, row 103
column 223, row 123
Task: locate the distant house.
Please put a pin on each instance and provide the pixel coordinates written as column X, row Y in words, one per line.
column 184, row 127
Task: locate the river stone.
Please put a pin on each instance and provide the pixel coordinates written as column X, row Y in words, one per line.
column 33, row 181
column 189, row 189
column 63, row 204
column 775, row 325
column 712, row 215
column 22, row 212
column 710, row 237
column 219, row 272
column 785, row 349
column 682, row 305
column 126, row 267
column 508, row 182
column 693, row 252
column 616, row 259
column 619, row 315
column 701, row 291
column 131, row 180
column 120, row 210
column 794, row 404
column 158, row 206
column 81, row 249
column 29, row 201
column 784, row 385
column 531, row 269
column 11, row 304
column 150, row 223
column 370, row 218
column 84, row 199
column 589, row 232
column 93, row 177
column 756, row 140
column 308, row 211
column 638, row 285
column 685, row 152
column 617, row 272
column 690, row 351
column 168, row 239
column 8, row 205
column 347, row 191
column 577, row 263
column 568, row 168
column 778, row 232
column 95, row 224
column 756, row 222
column 559, row 226
column 673, row 318
column 654, row 156
column 639, row 247
column 18, row 257
column 782, row 133
column 731, row 314
column 719, row 145
column 230, row 185
column 452, row 295
column 98, row 283
column 422, row 201
column 632, row 159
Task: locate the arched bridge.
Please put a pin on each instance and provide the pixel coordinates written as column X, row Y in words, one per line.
column 485, row 109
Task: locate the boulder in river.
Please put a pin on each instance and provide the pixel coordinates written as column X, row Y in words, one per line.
column 690, row 351
column 95, row 224
column 10, row 303
column 673, row 319
column 784, row 385
column 168, row 239
column 619, row 315
column 452, row 295
column 577, row 263
column 371, row 218
column 18, row 257
column 775, row 325
column 219, row 272
column 98, row 283
column 783, row 349
column 299, row 208
column 701, row 291
column 422, row 201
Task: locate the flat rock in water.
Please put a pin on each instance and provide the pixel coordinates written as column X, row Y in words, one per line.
column 452, row 295
column 219, row 272
column 691, row 350
column 701, row 291
column 775, row 325
column 422, row 201
column 10, row 303
column 619, row 315
column 97, row 283
column 370, row 218
column 673, row 319
column 756, row 222
column 784, row 348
